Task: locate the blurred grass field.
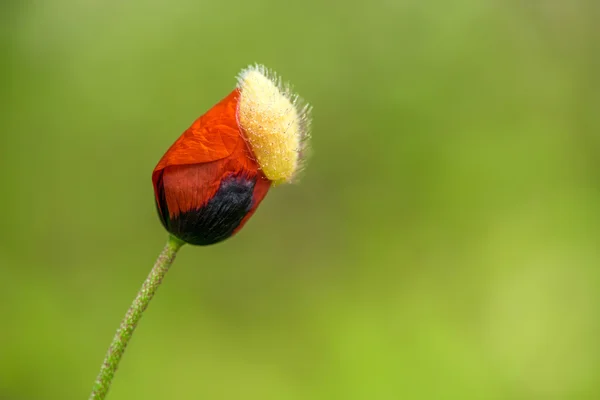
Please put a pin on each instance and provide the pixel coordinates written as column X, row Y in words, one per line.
column 443, row 244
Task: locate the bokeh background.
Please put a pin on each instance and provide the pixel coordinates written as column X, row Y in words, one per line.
column 443, row 243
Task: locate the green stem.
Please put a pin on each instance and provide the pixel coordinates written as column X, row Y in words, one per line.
column 131, row 319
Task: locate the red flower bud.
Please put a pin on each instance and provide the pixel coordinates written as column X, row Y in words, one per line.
column 210, row 181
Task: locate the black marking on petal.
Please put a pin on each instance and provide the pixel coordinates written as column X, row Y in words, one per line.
column 161, row 203
column 218, row 218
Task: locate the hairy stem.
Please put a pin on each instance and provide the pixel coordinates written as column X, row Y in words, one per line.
column 131, row 319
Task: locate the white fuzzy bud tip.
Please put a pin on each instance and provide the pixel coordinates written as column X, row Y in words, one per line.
column 275, row 122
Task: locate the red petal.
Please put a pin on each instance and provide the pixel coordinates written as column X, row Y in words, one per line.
column 211, row 149
column 213, row 136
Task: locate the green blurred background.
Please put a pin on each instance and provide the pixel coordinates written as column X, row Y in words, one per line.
column 443, row 244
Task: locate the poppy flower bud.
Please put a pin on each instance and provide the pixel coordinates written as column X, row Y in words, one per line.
column 212, row 179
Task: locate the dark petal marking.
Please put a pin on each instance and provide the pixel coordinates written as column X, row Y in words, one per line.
column 161, row 204
column 218, row 218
